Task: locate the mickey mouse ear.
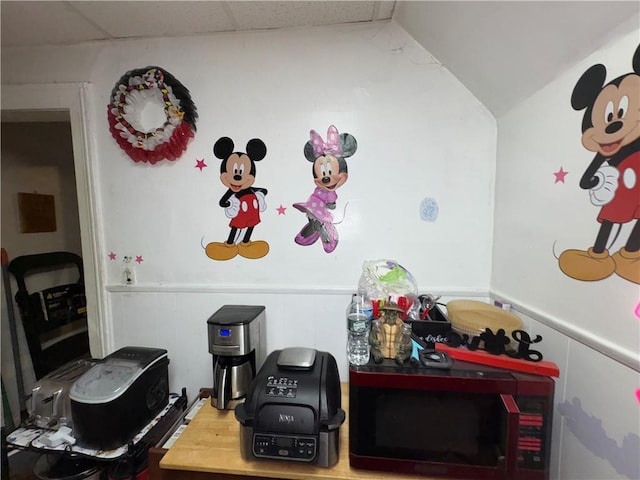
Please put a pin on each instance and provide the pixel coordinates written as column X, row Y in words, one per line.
column 636, row 61
column 588, row 87
column 256, row 149
column 223, row 148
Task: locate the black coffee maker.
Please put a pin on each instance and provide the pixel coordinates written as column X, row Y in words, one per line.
column 237, row 344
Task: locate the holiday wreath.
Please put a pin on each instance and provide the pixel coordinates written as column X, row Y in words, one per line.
column 134, row 91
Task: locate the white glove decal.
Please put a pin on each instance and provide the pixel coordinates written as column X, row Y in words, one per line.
column 605, row 190
column 232, row 210
column 262, row 204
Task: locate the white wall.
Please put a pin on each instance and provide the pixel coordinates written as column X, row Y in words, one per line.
column 420, row 133
column 405, row 111
column 597, row 412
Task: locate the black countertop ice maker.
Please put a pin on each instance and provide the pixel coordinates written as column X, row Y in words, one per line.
column 118, row 396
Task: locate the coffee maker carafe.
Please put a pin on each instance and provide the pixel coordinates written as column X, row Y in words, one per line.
column 237, row 344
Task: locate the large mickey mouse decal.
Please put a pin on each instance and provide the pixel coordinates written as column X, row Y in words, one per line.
column 242, row 202
column 611, row 129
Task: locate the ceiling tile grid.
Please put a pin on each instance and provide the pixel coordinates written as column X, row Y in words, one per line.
column 35, row 23
column 262, row 15
column 126, row 19
column 44, row 23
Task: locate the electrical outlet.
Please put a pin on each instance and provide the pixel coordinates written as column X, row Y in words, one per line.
column 128, row 271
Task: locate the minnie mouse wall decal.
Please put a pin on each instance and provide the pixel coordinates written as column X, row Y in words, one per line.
column 242, row 202
column 611, row 129
column 329, row 173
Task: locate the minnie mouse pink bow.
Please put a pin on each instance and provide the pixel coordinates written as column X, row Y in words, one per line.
column 331, row 146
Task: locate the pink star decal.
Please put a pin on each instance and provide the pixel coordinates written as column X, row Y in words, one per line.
column 281, row 210
column 200, row 163
column 638, row 395
column 139, row 259
column 560, row 174
column 112, row 256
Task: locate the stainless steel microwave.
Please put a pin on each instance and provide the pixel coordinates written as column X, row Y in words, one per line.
column 468, row 421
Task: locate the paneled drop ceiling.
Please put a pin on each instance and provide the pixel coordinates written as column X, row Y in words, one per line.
column 29, row 23
column 503, row 51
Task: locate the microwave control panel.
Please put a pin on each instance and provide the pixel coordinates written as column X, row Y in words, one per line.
column 285, row 447
column 532, row 433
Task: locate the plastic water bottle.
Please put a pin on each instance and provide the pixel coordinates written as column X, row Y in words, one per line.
column 359, row 314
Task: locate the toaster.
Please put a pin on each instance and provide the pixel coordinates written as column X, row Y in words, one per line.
column 292, row 411
column 117, row 397
column 49, row 406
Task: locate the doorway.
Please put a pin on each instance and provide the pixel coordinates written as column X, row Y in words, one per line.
column 66, row 105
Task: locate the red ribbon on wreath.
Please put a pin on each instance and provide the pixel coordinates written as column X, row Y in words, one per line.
column 168, row 141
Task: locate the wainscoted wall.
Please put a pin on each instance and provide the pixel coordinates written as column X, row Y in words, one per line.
column 177, row 320
column 596, row 429
column 589, row 328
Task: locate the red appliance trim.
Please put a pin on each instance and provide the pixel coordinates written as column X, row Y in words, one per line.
column 480, row 384
column 427, row 468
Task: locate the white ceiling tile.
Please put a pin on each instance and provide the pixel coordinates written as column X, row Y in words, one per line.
column 42, row 23
column 273, row 14
column 156, row 19
column 385, row 10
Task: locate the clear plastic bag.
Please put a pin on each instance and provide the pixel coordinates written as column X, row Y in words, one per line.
column 387, row 280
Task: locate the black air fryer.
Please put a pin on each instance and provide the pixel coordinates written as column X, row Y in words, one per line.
column 119, row 396
column 292, row 410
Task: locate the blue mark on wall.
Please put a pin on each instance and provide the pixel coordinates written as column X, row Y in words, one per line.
column 589, row 431
column 429, row 210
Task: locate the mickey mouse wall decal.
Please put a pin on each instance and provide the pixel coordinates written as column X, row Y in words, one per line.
column 242, row 202
column 611, row 129
column 329, row 173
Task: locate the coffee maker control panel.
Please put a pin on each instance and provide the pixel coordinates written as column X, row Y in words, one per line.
column 227, row 335
column 228, row 339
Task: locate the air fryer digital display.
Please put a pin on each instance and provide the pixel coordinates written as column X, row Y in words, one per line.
column 281, row 387
column 285, row 447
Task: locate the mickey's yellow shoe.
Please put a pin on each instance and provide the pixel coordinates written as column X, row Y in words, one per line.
column 628, row 264
column 587, row 266
column 221, row 251
column 257, row 249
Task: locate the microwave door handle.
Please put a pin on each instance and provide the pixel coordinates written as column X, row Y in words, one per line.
column 513, row 424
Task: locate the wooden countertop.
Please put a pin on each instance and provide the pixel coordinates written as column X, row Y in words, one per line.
column 211, row 443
